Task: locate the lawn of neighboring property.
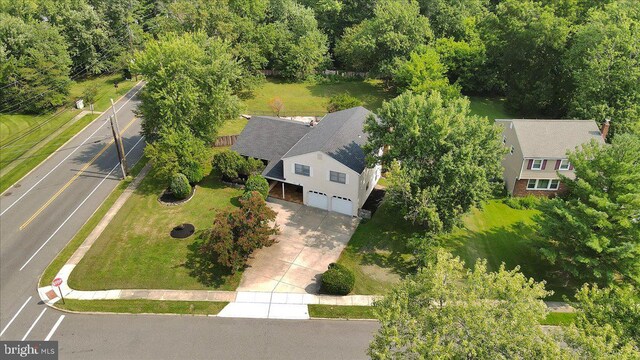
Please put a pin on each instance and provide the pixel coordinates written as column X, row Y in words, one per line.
column 136, row 252
column 233, row 126
column 143, row 306
column 21, row 132
column 341, row 312
column 379, row 256
column 491, row 107
column 311, row 98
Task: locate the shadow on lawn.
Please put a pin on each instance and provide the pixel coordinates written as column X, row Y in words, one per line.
column 206, row 270
column 395, row 262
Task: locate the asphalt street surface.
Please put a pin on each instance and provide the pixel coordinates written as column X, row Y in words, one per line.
column 44, row 210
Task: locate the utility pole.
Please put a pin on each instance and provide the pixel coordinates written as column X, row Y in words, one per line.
column 118, row 140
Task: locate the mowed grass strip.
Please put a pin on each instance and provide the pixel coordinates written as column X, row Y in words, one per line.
column 136, row 251
column 341, row 312
column 52, row 270
column 143, row 306
column 559, row 319
column 311, row 98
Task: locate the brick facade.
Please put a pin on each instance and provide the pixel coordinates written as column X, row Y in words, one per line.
column 520, row 189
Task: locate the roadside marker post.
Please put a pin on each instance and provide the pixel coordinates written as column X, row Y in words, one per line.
column 57, row 282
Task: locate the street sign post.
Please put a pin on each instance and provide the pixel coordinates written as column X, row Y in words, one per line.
column 57, row 282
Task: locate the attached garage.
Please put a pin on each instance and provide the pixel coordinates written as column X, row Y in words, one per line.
column 318, row 199
column 342, row 205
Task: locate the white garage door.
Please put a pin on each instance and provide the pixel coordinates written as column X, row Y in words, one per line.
column 317, row 199
column 341, row 205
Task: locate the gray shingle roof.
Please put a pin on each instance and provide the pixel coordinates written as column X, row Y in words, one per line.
column 552, row 138
column 339, row 135
column 269, row 138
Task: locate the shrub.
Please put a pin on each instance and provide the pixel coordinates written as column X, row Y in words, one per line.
column 337, row 280
column 229, row 163
column 342, row 102
column 180, row 186
column 257, row 183
column 527, row 202
column 250, row 166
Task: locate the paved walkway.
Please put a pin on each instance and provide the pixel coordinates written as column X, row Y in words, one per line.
column 242, row 304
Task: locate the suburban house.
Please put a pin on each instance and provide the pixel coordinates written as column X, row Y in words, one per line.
column 538, row 152
column 318, row 164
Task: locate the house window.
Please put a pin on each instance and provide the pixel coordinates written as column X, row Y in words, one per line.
column 504, row 140
column 367, row 186
column 537, row 164
column 303, row 170
column 512, row 150
column 564, row 164
column 543, row 184
column 338, row 177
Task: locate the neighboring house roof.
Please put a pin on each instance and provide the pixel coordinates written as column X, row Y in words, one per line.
column 269, row 138
column 339, row 135
column 552, row 138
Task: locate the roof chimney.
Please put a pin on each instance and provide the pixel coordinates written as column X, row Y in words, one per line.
column 605, row 128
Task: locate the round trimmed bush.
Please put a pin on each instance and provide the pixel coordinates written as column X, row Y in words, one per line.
column 180, row 186
column 338, row 280
column 257, row 183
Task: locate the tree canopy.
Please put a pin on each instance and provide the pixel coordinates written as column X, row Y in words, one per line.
column 191, row 85
column 595, row 234
column 442, row 158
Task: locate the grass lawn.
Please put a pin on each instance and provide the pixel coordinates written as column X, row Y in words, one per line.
column 379, row 257
column 377, row 252
column 233, row 126
column 136, row 252
column 559, row 319
column 341, row 312
column 144, row 306
column 493, row 108
column 310, row 98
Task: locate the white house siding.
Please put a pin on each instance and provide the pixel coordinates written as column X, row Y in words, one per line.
column 512, row 163
column 371, row 176
column 318, row 180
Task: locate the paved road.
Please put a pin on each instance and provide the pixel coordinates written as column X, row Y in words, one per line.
column 43, row 212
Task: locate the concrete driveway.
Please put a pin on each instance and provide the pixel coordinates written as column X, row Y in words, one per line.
column 310, row 239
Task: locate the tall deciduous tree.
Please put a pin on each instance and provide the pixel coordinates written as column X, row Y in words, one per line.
column 394, row 31
column 605, row 67
column 423, row 72
column 595, row 233
column 178, row 152
column 191, row 82
column 528, row 41
column 442, row 158
column 447, row 311
column 453, row 19
column 34, row 65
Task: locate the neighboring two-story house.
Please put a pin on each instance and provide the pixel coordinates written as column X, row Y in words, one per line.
column 538, row 152
column 324, row 161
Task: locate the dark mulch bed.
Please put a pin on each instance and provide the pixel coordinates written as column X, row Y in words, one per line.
column 183, row 231
column 374, row 200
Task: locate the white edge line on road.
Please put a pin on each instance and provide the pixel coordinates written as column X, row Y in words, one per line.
column 79, row 206
column 16, row 315
column 34, row 324
column 54, row 328
column 65, row 159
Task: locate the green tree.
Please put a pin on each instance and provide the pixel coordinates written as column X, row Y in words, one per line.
column 447, row 311
column 395, row 30
column 180, row 186
column 190, row 85
column 595, row 234
column 453, row 19
column 34, row 65
column 342, row 101
column 236, row 233
column 229, row 164
column 442, row 159
column 89, row 95
column 178, row 152
column 607, row 324
column 257, row 183
column 527, row 41
column 605, row 67
column 423, row 72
